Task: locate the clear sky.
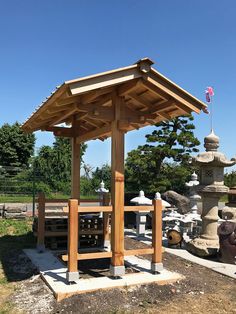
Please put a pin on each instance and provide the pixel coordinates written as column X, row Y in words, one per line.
column 44, row 43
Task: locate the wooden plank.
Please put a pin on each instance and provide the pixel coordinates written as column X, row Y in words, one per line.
column 91, row 209
column 87, row 256
column 65, row 200
column 102, row 81
column 73, row 236
column 53, row 234
column 157, row 231
column 139, row 251
column 117, row 168
column 141, row 208
column 41, row 221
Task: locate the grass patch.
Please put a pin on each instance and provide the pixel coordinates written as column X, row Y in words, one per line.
column 15, row 235
column 15, row 227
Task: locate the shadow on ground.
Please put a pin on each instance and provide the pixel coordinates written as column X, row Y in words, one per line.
column 15, row 264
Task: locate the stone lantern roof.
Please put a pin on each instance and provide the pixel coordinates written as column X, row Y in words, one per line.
column 211, row 155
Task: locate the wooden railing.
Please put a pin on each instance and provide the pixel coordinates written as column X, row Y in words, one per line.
column 42, row 213
column 73, row 210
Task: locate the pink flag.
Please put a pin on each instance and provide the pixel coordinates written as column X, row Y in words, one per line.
column 209, row 93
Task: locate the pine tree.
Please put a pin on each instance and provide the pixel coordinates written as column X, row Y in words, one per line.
column 168, row 148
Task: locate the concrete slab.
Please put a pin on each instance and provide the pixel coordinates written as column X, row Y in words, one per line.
column 222, row 268
column 53, row 273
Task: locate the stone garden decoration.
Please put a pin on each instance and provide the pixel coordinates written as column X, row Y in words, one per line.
column 211, row 188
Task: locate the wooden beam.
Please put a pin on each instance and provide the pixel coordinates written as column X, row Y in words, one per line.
column 128, row 87
column 106, row 80
column 139, row 100
column 59, row 131
column 64, row 115
column 142, row 208
column 172, row 93
column 139, row 251
column 88, row 256
column 91, row 209
column 155, row 90
column 98, row 132
column 117, row 168
column 90, row 97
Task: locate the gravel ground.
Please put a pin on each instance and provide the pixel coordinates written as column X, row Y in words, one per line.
column 202, row 291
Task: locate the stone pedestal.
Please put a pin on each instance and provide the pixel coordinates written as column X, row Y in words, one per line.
column 208, row 242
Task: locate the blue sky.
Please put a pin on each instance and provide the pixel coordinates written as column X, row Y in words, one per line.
column 43, row 43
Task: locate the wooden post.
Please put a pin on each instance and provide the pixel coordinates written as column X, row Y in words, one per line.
column 117, row 168
column 106, row 218
column 157, row 265
column 75, row 169
column 73, row 274
column 41, row 223
column 73, row 218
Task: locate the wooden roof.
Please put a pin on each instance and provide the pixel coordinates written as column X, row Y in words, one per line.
column 147, row 98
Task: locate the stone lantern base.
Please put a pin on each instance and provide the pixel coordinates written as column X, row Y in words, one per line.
column 203, row 247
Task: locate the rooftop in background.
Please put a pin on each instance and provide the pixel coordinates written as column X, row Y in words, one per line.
column 147, row 98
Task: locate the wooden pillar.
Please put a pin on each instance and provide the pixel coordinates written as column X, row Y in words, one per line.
column 106, row 221
column 72, row 274
column 157, row 265
column 41, row 223
column 73, row 218
column 75, row 169
column 117, row 168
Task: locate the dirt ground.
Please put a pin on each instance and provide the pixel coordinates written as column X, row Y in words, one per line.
column 202, row 291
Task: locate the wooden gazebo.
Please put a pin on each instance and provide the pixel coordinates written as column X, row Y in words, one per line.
column 103, row 105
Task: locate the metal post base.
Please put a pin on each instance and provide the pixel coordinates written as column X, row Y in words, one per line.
column 72, row 276
column 156, row 267
column 117, row 271
column 40, row 248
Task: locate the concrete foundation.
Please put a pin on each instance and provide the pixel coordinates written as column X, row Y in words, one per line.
column 156, row 267
column 40, row 248
column 54, row 272
column 117, row 271
column 72, row 276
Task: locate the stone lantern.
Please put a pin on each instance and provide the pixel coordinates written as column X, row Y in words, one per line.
column 101, row 191
column 211, row 164
column 194, row 197
column 141, row 217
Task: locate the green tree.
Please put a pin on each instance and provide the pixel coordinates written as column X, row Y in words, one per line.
column 53, row 164
column 230, row 179
column 162, row 163
column 16, row 147
column 103, row 173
